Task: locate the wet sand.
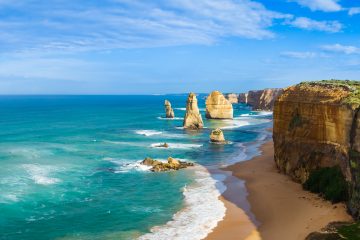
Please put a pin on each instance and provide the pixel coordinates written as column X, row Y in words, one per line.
column 279, row 208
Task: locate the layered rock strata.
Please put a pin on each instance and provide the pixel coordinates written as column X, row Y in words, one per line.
column 169, row 112
column 261, row 99
column 217, row 107
column 316, row 125
column 192, row 119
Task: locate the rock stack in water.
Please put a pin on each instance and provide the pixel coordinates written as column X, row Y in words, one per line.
column 192, row 119
column 168, row 110
column 217, row 136
column 217, row 107
column 232, row 97
column 172, row 164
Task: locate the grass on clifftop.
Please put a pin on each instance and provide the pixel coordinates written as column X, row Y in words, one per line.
column 352, row 85
column 329, row 182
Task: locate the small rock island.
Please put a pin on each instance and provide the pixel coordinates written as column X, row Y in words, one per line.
column 171, row 164
column 217, row 136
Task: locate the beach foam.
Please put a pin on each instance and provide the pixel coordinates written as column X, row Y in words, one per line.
column 202, row 212
column 40, row 173
column 148, row 132
column 175, row 118
column 177, row 145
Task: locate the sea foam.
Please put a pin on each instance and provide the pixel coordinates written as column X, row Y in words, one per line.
column 40, row 173
column 176, row 145
column 148, row 132
column 202, row 212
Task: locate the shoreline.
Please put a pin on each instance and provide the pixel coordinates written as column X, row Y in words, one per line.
column 282, row 209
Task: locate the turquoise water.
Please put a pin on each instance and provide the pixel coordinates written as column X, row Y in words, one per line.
column 69, row 164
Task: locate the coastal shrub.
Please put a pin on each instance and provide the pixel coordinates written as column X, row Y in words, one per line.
column 329, row 182
column 296, row 121
column 352, row 85
column 351, row 231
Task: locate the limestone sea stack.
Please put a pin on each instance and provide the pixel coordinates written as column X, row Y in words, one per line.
column 168, row 110
column 261, row 99
column 192, row 119
column 232, row 97
column 317, row 125
column 217, row 136
column 217, row 107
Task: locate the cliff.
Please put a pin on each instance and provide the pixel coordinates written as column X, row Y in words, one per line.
column 217, row 107
column 192, row 119
column 317, row 125
column 260, row 99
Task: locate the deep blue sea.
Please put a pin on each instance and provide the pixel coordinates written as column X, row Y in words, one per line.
column 70, row 167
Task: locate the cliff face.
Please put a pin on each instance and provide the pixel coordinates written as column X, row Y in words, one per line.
column 261, row 99
column 217, row 107
column 317, row 125
column 192, row 119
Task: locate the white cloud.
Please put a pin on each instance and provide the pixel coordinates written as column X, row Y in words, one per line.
column 320, row 5
column 310, row 24
column 354, row 11
column 299, row 55
column 338, row 48
column 79, row 25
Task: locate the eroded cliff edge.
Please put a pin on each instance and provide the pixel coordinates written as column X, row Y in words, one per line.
column 261, row 99
column 316, row 125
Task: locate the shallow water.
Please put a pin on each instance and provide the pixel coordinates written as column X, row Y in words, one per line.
column 70, row 165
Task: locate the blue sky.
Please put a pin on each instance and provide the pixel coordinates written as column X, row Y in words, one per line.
column 174, row 46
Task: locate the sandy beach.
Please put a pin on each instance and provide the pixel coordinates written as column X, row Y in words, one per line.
column 281, row 209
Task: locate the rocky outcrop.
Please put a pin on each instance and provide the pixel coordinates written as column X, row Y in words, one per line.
column 168, row 110
column 171, row 164
column 217, row 107
column 162, row 145
column 232, row 97
column 192, row 119
column 261, row 99
column 217, row 136
column 316, row 125
column 243, row 98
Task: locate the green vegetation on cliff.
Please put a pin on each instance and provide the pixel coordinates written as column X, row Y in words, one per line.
column 352, row 85
column 329, row 182
column 351, row 231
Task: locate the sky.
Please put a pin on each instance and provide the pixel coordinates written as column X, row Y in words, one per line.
column 174, row 46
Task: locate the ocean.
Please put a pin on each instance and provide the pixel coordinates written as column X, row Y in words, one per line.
column 70, row 167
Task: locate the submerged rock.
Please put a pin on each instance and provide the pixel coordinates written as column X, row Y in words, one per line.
column 168, row 110
column 171, row 164
column 217, row 136
column 192, row 119
column 217, row 107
